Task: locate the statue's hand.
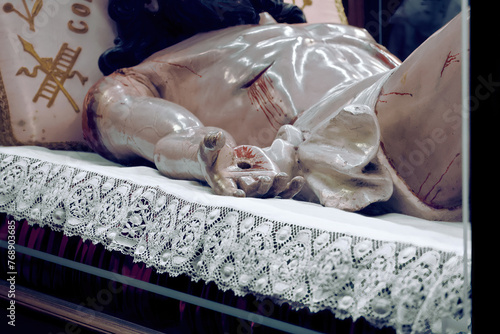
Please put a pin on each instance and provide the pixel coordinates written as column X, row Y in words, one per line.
column 244, row 170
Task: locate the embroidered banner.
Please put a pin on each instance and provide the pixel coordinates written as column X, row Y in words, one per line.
column 322, row 11
column 48, row 61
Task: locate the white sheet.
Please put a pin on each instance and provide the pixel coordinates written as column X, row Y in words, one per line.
column 445, row 236
column 291, row 251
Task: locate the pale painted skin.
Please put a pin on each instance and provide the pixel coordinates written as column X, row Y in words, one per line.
column 430, row 159
column 271, row 88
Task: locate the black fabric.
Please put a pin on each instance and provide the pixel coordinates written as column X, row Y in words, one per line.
column 142, row 31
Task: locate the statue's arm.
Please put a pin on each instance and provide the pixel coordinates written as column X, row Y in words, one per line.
column 131, row 120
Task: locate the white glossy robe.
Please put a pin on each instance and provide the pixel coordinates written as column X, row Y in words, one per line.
column 276, row 110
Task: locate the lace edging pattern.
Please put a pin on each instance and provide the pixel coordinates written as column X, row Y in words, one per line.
column 403, row 286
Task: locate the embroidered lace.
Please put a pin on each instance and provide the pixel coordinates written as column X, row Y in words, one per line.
column 408, row 287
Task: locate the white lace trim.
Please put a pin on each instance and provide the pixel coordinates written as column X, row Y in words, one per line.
column 407, row 287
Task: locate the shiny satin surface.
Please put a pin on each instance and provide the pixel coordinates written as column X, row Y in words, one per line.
column 262, row 110
column 256, row 78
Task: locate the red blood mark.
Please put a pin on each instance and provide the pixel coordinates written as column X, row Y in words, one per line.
column 185, row 67
column 440, row 179
column 437, row 192
column 449, row 60
column 246, row 154
column 391, row 93
column 261, row 95
column 420, row 189
column 388, row 59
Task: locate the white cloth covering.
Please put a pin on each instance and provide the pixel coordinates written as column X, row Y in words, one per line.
column 394, row 270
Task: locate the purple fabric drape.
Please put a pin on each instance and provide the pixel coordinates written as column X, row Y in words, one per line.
column 356, row 13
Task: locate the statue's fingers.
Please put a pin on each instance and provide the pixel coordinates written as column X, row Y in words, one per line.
column 238, row 193
column 248, row 184
column 293, row 187
column 280, row 183
column 226, row 187
column 210, row 147
column 214, row 140
column 265, row 183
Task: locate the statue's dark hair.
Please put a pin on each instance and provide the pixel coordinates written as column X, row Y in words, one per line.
column 144, row 26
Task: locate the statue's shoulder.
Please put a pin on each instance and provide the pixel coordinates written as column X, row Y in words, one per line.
column 333, row 30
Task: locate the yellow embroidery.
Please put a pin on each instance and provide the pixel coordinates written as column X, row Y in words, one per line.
column 341, row 11
column 57, row 71
column 305, row 3
column 30, row 15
